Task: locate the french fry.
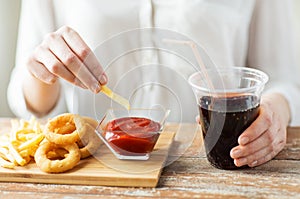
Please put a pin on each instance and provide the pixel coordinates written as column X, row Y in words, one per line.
column 4, row 153
column 18, row 147
column 117, row 98
column 20, row 160
column 6, row 164
column 4, row 140
column 14, row 128
column 32, row 142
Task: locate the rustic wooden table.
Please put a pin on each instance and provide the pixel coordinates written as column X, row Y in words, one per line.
column 188, row 175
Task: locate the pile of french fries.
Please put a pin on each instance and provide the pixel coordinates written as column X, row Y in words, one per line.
column 17, row 147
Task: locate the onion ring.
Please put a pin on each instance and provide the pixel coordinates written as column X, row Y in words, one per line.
column 89, row 142
column 57, row 166
column 57, row 153
column 90, row 121
column 62, row 129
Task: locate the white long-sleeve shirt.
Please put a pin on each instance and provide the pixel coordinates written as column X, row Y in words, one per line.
column 150, row 73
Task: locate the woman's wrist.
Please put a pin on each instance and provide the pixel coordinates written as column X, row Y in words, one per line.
column 40, row 97
column 280, row 106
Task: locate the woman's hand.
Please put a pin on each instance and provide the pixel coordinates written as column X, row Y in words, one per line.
column 64, row 54
column 266, row 136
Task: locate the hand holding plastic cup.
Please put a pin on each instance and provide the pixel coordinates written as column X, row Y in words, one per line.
column 228, row 103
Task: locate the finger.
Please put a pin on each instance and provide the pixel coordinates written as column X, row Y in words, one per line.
column 40, row 72
column 252, row 159
column 268, row 137
column 94, row 66
column 262, row 160
column 275, row 147
column 263, row 155
column 261, row 142
column 257, row 128
column 267, row 157
column 62, row 51
column 54, row 66
column 84, row 53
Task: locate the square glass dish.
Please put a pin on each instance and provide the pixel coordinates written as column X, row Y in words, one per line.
column 131, row 134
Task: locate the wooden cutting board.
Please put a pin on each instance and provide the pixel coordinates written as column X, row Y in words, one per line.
column 103, row 169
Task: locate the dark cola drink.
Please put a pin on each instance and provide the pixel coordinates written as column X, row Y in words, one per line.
column 222, row 120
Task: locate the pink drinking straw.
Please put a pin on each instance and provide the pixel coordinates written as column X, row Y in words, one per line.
column 197, row 56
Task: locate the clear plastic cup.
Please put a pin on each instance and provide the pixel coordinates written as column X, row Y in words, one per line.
column 228, row 103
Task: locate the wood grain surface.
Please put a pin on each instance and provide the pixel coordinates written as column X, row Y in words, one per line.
column 189, row 175
column 101, row 169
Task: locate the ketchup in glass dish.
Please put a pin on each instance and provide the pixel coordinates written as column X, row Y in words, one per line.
column 132, row 135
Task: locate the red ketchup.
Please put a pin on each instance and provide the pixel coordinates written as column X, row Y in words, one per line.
column 132, row 135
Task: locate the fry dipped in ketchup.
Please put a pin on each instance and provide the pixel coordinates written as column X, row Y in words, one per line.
column 132, row 135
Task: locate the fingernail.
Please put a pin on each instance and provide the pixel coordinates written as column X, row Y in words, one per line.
column 235, row 162
column 236, row 153
column 96, row 88
column 253, row 164
column 103, row 79
column 243, row 140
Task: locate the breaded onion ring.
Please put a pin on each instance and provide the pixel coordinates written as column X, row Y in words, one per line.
column 57, row 154
column 89, row 142
column 68, row 162
column 62, row 129
column 90, row 121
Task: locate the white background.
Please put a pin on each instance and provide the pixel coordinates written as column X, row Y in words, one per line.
column 9, row 16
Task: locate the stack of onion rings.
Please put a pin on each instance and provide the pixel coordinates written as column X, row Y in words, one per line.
column 69, row 138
